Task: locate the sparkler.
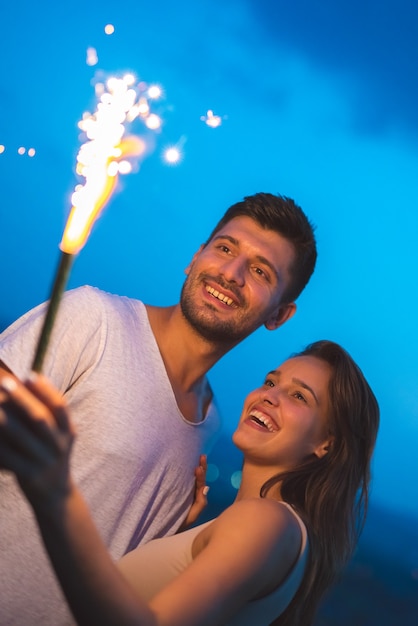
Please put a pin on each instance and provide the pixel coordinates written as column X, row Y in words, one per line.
column 100, row 160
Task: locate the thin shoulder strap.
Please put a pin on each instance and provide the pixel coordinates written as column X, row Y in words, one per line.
column 300, row 522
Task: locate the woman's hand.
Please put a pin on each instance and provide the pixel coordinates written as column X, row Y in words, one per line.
column 36, row 437
column 200, row 494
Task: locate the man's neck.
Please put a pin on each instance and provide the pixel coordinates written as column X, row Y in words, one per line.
column 187, row 359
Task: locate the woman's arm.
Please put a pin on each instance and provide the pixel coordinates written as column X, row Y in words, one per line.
column 243, row 555
column 250, row 545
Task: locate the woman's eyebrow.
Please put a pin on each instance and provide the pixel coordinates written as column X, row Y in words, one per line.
column 297, row 381
column 305, row 386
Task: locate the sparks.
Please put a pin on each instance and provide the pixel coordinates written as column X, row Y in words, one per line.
column 153, row 121
column 105, row 154
column 211, row 120
column 154, row 92
column 100, row 160
column 91, row 56
column 172, row 155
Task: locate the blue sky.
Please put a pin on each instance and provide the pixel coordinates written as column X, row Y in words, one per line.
column 318, row 101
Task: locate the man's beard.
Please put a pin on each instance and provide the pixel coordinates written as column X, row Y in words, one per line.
column 204, row 320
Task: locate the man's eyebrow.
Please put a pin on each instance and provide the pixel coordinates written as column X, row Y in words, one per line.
column 228, row 237
column 273, row 373
column 259, row 257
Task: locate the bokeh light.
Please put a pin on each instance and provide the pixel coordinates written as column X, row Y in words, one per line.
column 91, row 56
column 154, row 92
column 236, row 478
column 153, row 121
column 212, row 473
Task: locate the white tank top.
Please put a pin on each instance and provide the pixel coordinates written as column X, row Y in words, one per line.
column 154, row 565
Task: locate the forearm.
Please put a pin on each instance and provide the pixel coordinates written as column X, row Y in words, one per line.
column 95, row 590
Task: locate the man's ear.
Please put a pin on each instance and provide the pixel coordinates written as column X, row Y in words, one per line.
column 280, row 316
column 196, row 254
column 323, row 448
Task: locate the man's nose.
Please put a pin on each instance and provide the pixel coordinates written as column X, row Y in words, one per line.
column 234, row 270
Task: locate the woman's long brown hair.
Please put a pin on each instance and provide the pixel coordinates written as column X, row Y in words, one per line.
column 331, row 493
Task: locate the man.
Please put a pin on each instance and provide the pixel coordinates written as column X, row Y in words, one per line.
column 134, row 376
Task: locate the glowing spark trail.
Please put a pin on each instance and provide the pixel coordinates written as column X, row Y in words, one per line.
column 100, row 160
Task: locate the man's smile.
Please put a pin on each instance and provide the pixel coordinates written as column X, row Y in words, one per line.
column 220, row 296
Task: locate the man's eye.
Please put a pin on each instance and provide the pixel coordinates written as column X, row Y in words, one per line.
column 299, row 396
column 224, row 248
column 268, row 382
column 261, row 273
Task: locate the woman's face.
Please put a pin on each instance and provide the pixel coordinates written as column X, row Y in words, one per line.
column 284, row 421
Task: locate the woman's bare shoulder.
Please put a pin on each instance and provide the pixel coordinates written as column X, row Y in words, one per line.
column 264, row 532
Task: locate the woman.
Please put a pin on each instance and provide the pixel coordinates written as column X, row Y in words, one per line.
column 307, row 437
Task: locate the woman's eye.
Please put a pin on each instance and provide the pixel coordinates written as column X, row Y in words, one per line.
column 299, row 396
column 268, row 382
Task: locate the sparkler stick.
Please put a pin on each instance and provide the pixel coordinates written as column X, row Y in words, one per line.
column 100, row 160
column 57, row 289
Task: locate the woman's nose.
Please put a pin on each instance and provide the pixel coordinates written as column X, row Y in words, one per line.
column 271, row 396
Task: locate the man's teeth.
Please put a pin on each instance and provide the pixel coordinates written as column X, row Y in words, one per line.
column 260, row 418
column 219, row 295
